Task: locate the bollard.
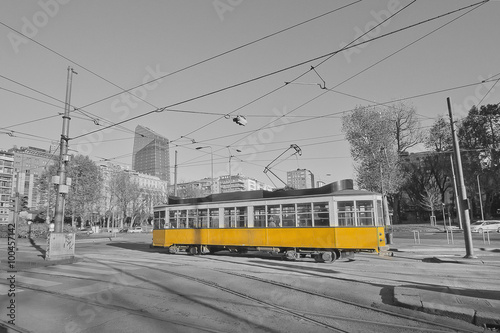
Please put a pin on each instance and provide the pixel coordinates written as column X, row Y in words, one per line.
column 449, row 236
column 484, row 240
column 416, row 236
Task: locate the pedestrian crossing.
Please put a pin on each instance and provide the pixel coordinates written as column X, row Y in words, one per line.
column 91, row 270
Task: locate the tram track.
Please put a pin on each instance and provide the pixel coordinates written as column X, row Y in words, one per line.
column 336, row 299
column 309, row 317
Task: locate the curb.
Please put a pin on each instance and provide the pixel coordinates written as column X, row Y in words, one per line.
column 477, row 311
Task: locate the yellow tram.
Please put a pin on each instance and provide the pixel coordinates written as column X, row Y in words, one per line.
column 324, row 223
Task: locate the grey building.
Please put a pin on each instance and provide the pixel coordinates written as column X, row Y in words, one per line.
column 151, row 153
column 300, row 178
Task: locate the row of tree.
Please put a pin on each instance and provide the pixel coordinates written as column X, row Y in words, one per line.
column 380, row 139
column 110, row 201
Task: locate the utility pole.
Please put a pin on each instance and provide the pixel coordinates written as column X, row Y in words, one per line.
column 457, row 197
column 175, row 175
column 63, row 159
column 463, row 202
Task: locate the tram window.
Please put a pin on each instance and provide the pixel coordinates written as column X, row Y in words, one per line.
column 229, row 220
column 173, row 218
column 380, row 213
column 192, row 218
column 162, row 223
column 365, row 212
column 345, row 213
column 156, row 219
column 241, row 217
column 214, row 218
column 304, row 215
column 183, row 219
column 273, row 216
column 259, row 216
column 288, row 215
column 203, row 217
column 321, row 214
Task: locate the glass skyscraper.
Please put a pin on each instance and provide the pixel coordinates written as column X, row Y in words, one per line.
column 151, row 153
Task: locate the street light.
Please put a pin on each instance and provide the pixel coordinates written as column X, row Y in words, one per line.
column 230, row 176
column 212, row 163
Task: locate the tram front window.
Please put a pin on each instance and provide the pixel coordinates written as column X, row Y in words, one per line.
column 346, row 213
column 365, row 212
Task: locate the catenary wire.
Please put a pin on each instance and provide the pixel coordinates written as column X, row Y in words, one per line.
column 177, row 71
column 276, row 72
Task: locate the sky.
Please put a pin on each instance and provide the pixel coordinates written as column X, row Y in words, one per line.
column 200, row 64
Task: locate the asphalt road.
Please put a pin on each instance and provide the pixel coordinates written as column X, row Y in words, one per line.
column 123, row 285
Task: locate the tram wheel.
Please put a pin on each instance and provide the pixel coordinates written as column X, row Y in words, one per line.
column 328, row 257
column 317, row 257
column 291, row 255
column 193, row 250
column 173, row 249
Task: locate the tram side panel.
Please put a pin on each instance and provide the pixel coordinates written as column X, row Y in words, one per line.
column 360, row 238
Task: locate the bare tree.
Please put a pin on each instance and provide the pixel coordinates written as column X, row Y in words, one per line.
column 431, row 200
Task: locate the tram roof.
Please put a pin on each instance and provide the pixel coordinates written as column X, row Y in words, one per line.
column 342, row 187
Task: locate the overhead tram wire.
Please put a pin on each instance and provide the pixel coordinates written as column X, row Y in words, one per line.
column 475, row 6
column 413, row 25
column 312, row 68
column 179, row 70
column 311, row 118
column 277, row 71
column 231, row 50
column 53, row 98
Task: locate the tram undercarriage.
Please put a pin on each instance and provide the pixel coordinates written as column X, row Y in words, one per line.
column 292, row 254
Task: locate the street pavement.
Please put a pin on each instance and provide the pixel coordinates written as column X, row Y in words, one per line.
column 471, row 305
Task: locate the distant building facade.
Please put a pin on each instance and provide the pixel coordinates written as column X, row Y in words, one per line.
column 6, row 184
column 223, row 184
column 151, row 153
column 29, row 164
column 237, row 183
column 300, row 178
